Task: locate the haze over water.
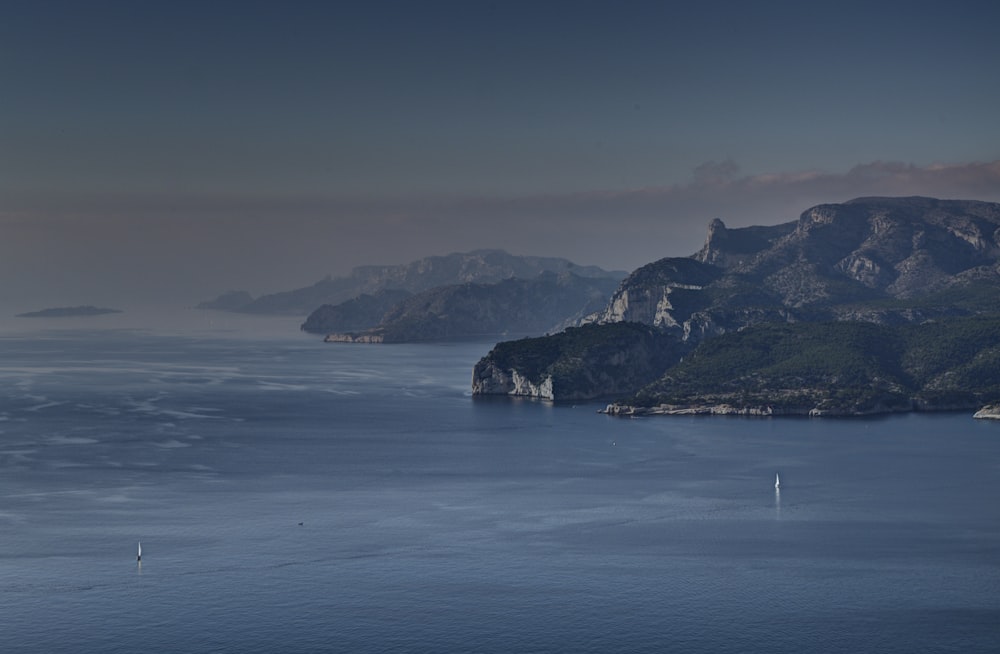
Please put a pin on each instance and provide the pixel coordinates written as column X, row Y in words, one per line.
column 171, row 151
column 300, row 497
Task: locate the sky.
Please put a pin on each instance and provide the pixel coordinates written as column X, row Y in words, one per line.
column 170, row 151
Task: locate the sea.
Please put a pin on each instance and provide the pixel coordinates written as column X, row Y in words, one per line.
column 296, row 496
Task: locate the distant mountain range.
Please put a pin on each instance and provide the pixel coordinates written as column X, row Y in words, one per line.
column 546, row 303
column 831, row 313
column 479, row 267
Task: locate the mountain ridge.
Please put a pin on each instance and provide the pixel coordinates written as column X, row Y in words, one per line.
column 483, row 266
column 546, row 303
column 888, row 261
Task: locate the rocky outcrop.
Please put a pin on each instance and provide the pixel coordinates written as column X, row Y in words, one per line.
column 490, row 379
column 578, row 364
column 733, row 248
column 661, row 294
column 988, row 412
column 835, row 262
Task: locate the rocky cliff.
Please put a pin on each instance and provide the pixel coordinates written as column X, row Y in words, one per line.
column 889, row 261
column 880, row 259
column 621, row 358
column 988, row 412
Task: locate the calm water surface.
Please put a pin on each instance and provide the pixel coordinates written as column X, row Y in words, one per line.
column 299, row 497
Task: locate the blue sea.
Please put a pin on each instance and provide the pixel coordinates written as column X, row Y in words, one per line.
column 296, row 496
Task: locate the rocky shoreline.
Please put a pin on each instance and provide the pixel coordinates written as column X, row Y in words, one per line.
column 989, row 412
column 354, row 338
column 629, row 411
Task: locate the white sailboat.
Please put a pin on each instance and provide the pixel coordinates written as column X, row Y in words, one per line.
column 777, row 481
column 139, row 556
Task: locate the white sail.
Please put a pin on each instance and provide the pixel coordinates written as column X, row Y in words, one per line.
column 139, row 557
column 777, row 481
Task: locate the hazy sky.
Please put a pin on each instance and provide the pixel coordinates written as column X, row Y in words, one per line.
column 175, row 150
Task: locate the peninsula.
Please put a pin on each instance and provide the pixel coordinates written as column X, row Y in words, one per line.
column 871, row 306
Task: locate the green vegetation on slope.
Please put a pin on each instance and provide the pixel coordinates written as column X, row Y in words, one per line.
column 589, row 361
column 846, row 367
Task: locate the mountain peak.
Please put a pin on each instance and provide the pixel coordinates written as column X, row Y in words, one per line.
column 879, row 248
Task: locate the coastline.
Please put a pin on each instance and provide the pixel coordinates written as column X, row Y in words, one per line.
column 630, row 411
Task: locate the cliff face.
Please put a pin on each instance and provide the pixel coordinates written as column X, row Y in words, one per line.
column 888, row 261
column 660, row 293
column 580, row 363
column 490, row 379
column 832, row 263
column 988, row 412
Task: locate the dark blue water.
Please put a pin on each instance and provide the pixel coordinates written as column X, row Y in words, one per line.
column 299, row 497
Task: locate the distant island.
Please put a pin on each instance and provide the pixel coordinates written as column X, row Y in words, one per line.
column 68, row 312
